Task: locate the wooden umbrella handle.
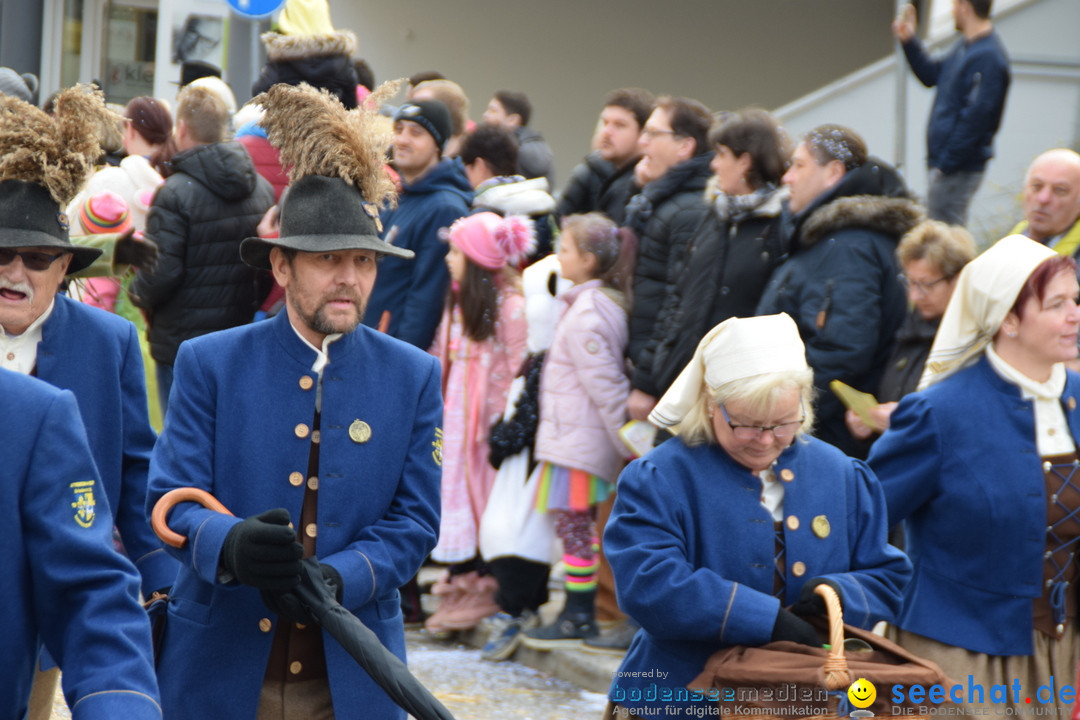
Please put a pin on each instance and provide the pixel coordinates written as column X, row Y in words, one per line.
column 837, row 675
column 172, row 498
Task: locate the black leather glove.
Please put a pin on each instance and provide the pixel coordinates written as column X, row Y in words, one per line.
column 288, row 605
column 809, row 602
column 262, row 551
column 141, row 252
column 790, row 626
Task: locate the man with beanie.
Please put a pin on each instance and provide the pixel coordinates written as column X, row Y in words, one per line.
column 66, row 486
column 408, row 298
column 309, row 418
column 212, row 201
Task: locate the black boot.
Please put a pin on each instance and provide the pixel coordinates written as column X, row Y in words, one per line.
column 576, row 622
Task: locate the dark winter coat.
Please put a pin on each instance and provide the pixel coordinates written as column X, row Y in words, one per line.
column 972, row 82
column 596, row 185
column 535, row 158
column 664, row 216
column 728, row 265
column 322, row 61
column 199, row 217
column 905, row 364
column 840, row 285
column 410, row 293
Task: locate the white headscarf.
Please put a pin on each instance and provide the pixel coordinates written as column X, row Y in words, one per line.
column 985, row 292
column 736, row 349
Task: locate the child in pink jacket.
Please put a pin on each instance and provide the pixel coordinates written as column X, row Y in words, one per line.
column 583, row 391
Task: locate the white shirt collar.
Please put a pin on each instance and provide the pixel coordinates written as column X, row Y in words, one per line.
column 1052, row 435
column 19, row 352
column 322, row 355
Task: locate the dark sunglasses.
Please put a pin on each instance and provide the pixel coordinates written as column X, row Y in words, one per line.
column 32, row 259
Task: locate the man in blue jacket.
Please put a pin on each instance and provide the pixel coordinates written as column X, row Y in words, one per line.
column 972, row 82
column 64, row 584
column 407, row 301
column 310, row 418
column 73, row 346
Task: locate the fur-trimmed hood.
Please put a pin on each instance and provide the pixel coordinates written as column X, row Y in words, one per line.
column 889, row 216
column 872, row 197
column 285, row 48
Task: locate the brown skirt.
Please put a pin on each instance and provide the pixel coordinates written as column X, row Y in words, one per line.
column 1055, row 659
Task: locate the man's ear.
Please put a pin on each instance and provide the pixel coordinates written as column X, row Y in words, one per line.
column 513, row 120
column 280, row 266
column 835, row 172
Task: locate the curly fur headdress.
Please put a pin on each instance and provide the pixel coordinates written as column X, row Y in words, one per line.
column 56, row 152
column 316, row 135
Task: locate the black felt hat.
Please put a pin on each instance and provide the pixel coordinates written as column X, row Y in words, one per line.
column 29, row 217
column 322, row 214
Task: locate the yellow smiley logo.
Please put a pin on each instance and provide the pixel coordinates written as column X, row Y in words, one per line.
column 862, row 693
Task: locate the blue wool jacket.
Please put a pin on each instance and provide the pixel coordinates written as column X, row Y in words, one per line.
column 238, row 398
column 960, row 468
column 96, row 355
column 413, row 291
column 64, row 584
column 691, row 548
column 972, row 82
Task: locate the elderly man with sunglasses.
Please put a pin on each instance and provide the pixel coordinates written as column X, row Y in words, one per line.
column 75, row 347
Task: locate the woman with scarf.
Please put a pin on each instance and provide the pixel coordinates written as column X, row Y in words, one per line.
column 981, row 466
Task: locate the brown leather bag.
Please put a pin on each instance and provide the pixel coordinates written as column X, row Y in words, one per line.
column 790, row 680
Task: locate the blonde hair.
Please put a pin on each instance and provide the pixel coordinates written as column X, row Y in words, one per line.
column 760, row 392
column 203, row 113
column 948, row 248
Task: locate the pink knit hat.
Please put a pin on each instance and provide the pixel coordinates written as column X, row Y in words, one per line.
column 105, row 212
column 492, row 241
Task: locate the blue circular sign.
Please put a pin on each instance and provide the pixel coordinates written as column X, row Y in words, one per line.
column 256, row 9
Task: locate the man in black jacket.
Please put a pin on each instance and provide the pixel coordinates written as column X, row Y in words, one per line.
column 604, row 181
column 198, row 218
column 674, row 169
column 846, row 213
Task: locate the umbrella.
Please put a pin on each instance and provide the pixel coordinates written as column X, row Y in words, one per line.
column 385, row 668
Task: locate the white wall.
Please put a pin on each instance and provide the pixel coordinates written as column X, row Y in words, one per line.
column 567, row 54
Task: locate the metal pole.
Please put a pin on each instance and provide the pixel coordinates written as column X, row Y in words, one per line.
column 900, row 115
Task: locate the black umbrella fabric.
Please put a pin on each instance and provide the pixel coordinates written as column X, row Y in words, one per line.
column 383, row 666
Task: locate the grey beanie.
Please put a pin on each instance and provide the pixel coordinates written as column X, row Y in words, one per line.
column 23, row 86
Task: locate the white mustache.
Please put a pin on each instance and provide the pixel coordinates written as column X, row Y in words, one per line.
column 23, row 287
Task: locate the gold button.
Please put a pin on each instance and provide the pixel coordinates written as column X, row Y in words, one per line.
column 301, row 430
column 313, row 482
column 296, row 479
column 300, row 626
column 1047, row 467
column 786, row 475
column 1071, row 402
column 265, row 625
column 1060, row 628
column 820, row 526
column 11, row 356
column 1051, row 432
column 311, row 530
column 792, row 522
column 316, row 436
column 295, row 667
column 306, row 383
column 798, row 569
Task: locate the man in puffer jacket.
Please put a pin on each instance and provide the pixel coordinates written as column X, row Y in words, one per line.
column 674, row 169
column 843, row 220
column 198, row 218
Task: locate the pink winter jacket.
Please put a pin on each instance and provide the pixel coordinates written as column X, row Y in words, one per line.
column 584, row 385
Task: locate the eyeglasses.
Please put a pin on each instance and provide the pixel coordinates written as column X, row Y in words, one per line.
column 783, row 431
column 923, row 287
column 653, row 132
column 32, row 259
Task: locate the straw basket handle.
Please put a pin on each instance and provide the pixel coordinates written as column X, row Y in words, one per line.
column 837, row 675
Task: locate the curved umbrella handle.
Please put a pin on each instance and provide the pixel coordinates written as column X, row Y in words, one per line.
column 172, row 498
